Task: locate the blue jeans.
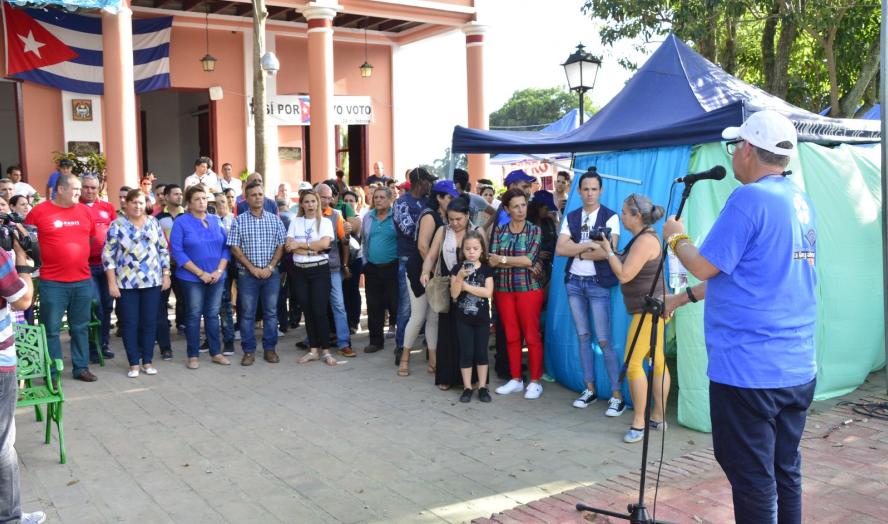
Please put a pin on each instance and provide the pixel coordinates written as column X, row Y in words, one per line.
column 337, row 305
column 105, row 305
column 227, row 318
column 250, row 289
column 75, row 298
column 10, row 486
column 585, row 296
column 138, row 323
column 403, row 302
column 755, row 435
column 202, row 300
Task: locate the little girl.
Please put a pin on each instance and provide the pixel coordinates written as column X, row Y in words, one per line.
column 471, row 289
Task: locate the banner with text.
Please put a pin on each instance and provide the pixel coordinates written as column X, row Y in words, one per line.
column 295, row 110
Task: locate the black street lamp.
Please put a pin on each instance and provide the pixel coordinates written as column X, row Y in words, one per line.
column 581, row 69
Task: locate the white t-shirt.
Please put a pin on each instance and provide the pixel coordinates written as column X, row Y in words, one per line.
column 23, row 188
column 586, row 268
column 235, row 184
column 302, row 230
column 210, row 181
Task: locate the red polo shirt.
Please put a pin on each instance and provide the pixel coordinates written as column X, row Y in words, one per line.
column 64, row 234
column 103, row 214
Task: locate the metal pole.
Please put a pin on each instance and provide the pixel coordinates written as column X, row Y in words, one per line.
column 582, row 96
column 883, row 98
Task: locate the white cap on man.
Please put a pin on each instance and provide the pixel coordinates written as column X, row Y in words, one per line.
column 768, row 130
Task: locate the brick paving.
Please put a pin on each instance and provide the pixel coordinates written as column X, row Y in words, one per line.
column 844, row 465
column 310, row 443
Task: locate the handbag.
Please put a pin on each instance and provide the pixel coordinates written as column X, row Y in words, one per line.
column 438, row 290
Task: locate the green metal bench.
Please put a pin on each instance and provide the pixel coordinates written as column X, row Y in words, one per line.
column 35, row 371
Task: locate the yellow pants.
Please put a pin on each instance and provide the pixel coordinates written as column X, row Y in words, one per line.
column 643, row 347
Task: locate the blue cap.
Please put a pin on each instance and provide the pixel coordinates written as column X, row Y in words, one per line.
column 445, row 186
column 517, row 176
column 544, row 197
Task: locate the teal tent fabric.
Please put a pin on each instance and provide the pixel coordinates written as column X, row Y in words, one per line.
column 655, row 169
column 844, row 185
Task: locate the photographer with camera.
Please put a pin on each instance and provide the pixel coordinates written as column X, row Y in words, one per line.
column 636, row 269
column 16, row 292
column 66, row 228
column 588, row 279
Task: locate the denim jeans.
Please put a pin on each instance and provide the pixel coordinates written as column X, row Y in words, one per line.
column 337, row 305
column 202, row 300
column 10, row 487
column 403, row 302
column 249, row 290
column 225, row 311
column 755, row 435
column 138, row 323
column 105, row 305
column 74, row 297
column 585, row 296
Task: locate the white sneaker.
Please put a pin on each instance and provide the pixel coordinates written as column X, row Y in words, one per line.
column 133, row 373
column 615, row 407
column 512, row 386
column 534, row 390
column 37, row 517
column 586, row 398
column 150, row 371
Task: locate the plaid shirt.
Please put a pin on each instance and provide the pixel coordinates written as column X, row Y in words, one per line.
column 526, row 243
column 258, row 237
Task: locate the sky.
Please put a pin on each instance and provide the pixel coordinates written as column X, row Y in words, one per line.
column 525, row 44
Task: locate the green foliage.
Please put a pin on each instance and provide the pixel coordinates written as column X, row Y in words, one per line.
column 90, row 163
column 444, row 166
column 533, row 108
column 812, row 54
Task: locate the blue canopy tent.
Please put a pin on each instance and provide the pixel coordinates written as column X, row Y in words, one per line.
column 677, row 100
column 568, row 122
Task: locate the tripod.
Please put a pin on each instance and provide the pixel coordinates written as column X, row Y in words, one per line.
column 637, row 513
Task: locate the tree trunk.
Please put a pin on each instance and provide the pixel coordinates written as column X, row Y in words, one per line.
column 767, row 45
column 259, row 99
column 788, row 33
column 868, row 70
column 729, row 56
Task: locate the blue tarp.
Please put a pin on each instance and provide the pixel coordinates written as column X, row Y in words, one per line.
column 568, row 122
column 676, row 98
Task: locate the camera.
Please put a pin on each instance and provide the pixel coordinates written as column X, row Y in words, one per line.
column 211, row 209
column 600, row 233
column 468, row 266
column 9, row 233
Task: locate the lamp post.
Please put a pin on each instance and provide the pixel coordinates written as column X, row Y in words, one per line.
column 581, row 69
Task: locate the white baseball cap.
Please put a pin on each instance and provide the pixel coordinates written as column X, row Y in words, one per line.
column 768, row 130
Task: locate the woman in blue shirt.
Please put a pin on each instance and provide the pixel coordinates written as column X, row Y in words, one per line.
column 197, row 242
column 137, row 265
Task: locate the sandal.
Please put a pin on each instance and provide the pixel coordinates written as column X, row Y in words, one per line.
column 444, row 387
column 404, row 369
column 311, row 355
column 329, row 359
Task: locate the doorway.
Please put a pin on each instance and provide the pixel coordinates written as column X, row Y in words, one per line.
column 177, row 127
column 10, row 150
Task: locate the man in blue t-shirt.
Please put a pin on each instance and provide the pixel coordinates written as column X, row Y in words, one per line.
column 66, row 167
column 757, row 268
column 405, row 214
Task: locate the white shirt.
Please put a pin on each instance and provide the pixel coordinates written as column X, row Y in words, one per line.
column 23, row 188
column 586, row 268
column 235, row 184
column 302, row 230
column 209, row 181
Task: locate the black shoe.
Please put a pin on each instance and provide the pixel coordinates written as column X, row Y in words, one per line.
column 294, row 325
column 484, row 395
column 352, row 330
column 372, row 349
column 466, row 395
column 166, row 354
column 107, row 354
column 302, row 345
column 398, row 352
column 94, row 359
column 228, row 349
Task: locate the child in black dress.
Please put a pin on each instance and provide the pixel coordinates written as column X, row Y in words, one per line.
column 471, row 289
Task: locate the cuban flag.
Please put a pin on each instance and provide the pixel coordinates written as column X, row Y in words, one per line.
column 64, row 50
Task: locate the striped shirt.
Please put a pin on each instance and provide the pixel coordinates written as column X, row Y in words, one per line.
column 138, row 256
column 526, row 244
column 11, row 289
column 258, row 237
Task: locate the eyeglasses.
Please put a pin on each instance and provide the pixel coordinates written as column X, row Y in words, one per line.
column 731, row 145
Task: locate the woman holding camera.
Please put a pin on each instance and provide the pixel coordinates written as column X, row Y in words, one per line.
column 636, row 269
column 198, row 245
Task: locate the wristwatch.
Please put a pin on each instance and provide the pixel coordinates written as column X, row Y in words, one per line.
column 502, row 259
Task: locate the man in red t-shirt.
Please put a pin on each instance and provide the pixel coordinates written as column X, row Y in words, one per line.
column 103, row 214
column 65, row 228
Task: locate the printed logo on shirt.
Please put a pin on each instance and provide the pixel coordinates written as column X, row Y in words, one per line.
column 61, row 223
column 804, row 255
column 104, row 214
column 803, row 213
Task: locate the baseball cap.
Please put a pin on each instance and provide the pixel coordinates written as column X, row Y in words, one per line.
column 517, row 176
column 421, row 174
column 305, row 186
column 768, row 130
column 66, row 163
column 544, row 197
column 445, row 186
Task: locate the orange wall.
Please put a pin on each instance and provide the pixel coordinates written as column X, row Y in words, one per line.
column 187, row 47
column 348, row 56
column 43, row 131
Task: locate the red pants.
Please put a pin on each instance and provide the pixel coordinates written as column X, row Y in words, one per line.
column 520, row 315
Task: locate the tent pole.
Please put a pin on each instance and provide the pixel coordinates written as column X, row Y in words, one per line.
column 883, row 99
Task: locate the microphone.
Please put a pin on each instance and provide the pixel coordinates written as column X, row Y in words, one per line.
column 716, row 173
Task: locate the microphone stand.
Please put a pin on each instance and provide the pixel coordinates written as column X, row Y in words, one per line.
column 637, row 513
